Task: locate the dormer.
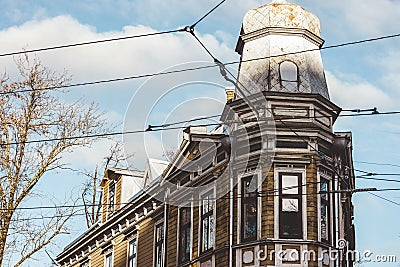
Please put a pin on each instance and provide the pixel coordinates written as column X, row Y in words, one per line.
column 201, row 154
column 119, row 185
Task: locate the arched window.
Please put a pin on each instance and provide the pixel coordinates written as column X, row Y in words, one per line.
column 289, row 76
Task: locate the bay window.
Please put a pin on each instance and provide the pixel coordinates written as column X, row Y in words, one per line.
column 249, row 208
column 290, row 205
column 159, row 244
column 324, row 210
column 207, row 222
column 185, row 231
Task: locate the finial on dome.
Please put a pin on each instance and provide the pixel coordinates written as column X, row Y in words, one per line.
column 279, row 2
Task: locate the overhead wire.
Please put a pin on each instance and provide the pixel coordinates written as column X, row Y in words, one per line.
column 90, row 42
column 366, row 173
column 150, row 129
column 139, row 76
column 109, row 39
column 378, row 179
column 207, row 14
column 384, row 198
column 377, row 163
column 319, row 49
column 258, row 194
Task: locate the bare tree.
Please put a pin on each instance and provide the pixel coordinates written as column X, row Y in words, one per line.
column 36, row 114
column 92, row 194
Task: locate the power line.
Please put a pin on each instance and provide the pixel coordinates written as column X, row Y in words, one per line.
column 284, row 118
column 155, row 128
column 197, row 68
column 378, row 164
column 207, row 14
column 102, row 135
column 109, row 80
column 258, row 194
column 48, row 217
column 319, row 49
column 110, row 39
column 90, row 42
column 377, row 174
column 386, row 199
column 378, row 179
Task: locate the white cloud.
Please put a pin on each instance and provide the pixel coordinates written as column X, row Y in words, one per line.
column 110, row 60
column 359, row 17
column 352, row 93
column 107, row 60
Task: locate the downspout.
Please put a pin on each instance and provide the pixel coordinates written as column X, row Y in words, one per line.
column 231, row 214
column 165, row 229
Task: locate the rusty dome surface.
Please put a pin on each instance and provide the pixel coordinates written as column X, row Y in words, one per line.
column 279, row 13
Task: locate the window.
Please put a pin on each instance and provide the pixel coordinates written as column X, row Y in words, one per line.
column 132, row 252
column 289, row 76
column 159, row 243
column 108, row 260
column 290, row 205
column 207, row 222
column 85, row 264
column 325, row 207
column 220, row 154
column 111, row 198
column 249, row 208
column 184, row 234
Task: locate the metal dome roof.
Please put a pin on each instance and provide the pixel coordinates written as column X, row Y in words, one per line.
column 279, row 13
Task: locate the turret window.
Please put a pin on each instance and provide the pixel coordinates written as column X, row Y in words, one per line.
column 324, row 207
column 249, row 208
column 289, row 76
column 290, row 195
column 185, row 234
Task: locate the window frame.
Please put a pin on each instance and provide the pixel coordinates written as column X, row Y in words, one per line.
column 111, row 255
column 188, row 227
column 298, row 197
column 132, row 256
column 111, row 204
column 243, row 200
column 327, row 202
column 210, row 215
column 283, row 81
column 159, row 243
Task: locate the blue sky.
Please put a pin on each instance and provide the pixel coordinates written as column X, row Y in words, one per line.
column 360, row 76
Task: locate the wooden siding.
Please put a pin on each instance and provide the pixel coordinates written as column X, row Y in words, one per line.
column 145, row 243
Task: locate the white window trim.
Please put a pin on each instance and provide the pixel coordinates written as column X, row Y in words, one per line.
column 329, row 179
column 301, row 171
column 199, row 237
column 106, row 253
column 331, row 262
column 191, row 230
column 303, row 262
column 239, row 204
column 131, row 238
column 160, row 221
